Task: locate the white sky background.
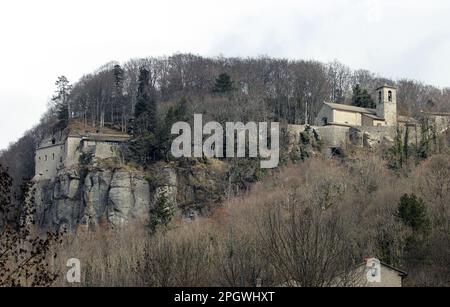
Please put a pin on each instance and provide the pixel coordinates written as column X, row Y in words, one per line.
column 40, row 40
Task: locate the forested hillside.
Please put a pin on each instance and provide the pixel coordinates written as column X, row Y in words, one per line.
column 391, row 204
column 241, row 89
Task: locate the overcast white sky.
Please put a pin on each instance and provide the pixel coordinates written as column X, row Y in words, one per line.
column 40, row 40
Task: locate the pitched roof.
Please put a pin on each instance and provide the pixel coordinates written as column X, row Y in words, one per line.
column 372, row 116
column 345, row 107
column 435, row 113
column 386, row 85
column 106, row 137
column 400, row 272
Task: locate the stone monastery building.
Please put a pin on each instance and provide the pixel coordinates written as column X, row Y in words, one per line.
column 385, row 113
column 63, row 150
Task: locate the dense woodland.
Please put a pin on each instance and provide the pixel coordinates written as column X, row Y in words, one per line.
column 393, row 205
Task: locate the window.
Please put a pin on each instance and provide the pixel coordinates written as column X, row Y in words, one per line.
column 53, row 156
column 45, row 157
column 60, row 159
column 325, row 121
column 390, row 96
column 379, row 97
column 39, row 158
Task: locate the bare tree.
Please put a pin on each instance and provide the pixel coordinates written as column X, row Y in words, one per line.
column 307, row 246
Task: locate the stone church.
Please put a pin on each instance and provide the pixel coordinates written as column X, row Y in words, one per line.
column 339, row 126
column 385, row 113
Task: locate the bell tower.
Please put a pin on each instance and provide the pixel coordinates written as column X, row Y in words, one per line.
column 386, row 99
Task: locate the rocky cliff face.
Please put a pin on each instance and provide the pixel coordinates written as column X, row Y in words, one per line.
column 109, row 194
column 96, row 196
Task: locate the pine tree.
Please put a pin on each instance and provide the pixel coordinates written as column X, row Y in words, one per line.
column 118, row 78
column 61, row 101
column 406, row 143
column 223, row 84
column 174, row 114
column 396, row 153
column 118, row 95
column 145, row 103
column 413, row 213
column 143, row 94
column 361, row 98
column 144, row 147
column 424, row 148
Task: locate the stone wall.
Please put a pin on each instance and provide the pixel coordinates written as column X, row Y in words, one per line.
column 346, row 117
column 376, row 136
column 325, row 112
column 389, row 278
column 387, row 109
column 371, row 136
column 102, row 150
column 72, row 151
column 48, row 160
column 440, row 122
column 333, row 136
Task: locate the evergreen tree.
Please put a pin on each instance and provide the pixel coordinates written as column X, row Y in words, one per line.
column 413, row 213
column 395, row 154
column 143, row 148
column 361, row 98
column 118, row 102
column 406, row 143
column 174, row 114
column 223, row 84
column 145, row 103
column 162, row 213
column 118, row 78
column 424, row 148
column 61, row 101
column 143, row 93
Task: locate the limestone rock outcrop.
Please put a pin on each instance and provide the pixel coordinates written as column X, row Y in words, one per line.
column 92, row 197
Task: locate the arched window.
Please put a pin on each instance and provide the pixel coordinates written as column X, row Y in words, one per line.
column 45, row 157
column 390, row 96
column 53, row 156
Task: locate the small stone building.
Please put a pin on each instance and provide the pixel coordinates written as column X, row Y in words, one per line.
column 63, row 149
column 375, row 273
column 370, row 273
